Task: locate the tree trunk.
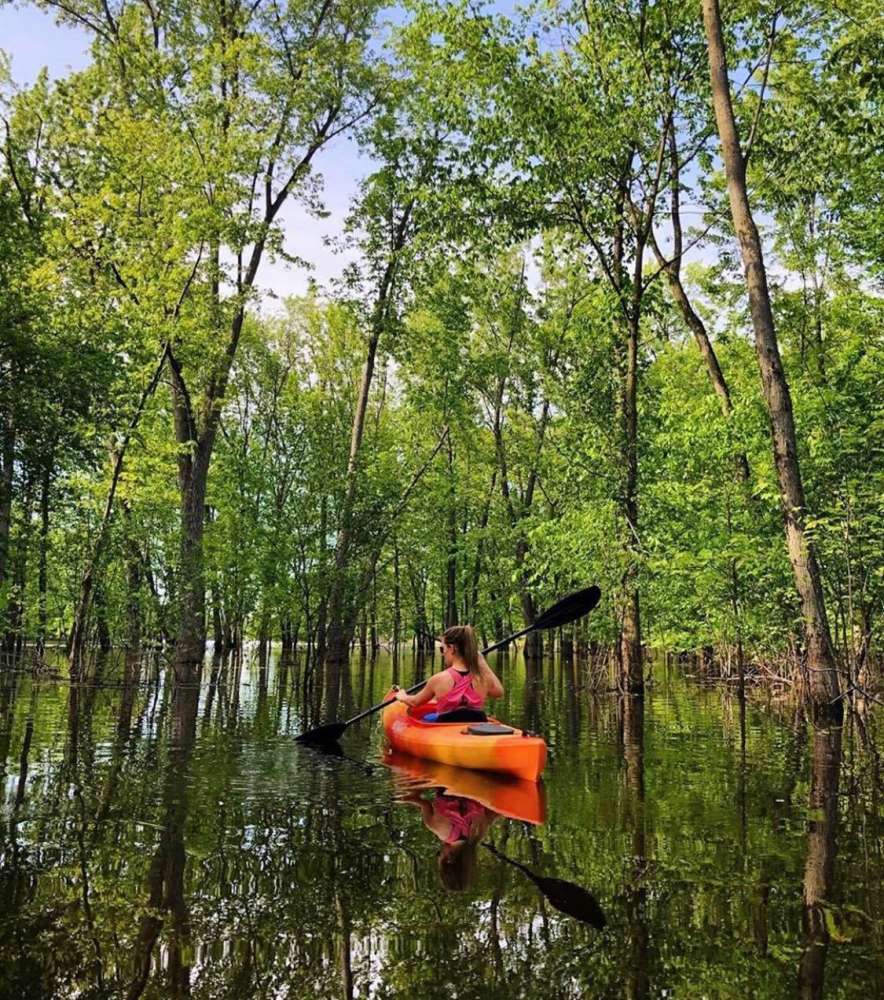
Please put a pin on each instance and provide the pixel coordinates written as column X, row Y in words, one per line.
column 190, row 642
column 672, row 273
column 534, row 642
column 397, row 611
column 81, row 614
column 7, row 464
column 338, row 638
column 217, row 627
column 631, row 668
column 102, row 628
column 451, row 555
column 42, row 575
column 480, row 546
column 824, row 685
column 133, row 597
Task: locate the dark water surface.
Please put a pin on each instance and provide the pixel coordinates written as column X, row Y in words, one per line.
column 733, row 854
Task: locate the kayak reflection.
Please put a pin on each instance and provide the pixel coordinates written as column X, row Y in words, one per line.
column 513, row 798
column 461, row 807
column 461, row 810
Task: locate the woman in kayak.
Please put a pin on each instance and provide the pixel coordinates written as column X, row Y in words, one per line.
column 466, row 681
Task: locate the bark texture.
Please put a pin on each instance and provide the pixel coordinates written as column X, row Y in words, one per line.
column 823, row 677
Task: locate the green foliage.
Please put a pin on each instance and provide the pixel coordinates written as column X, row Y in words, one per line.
column 509, row 157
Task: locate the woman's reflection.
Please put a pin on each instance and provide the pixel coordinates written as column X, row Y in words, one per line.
column 461, row 824
column 459, row 806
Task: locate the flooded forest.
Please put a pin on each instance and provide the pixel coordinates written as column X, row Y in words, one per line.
column 325, row 327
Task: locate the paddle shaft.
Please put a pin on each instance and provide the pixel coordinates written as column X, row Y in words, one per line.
column 420, row 684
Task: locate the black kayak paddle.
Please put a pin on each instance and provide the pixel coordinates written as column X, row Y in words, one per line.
column 567, row 897
column 567, row 610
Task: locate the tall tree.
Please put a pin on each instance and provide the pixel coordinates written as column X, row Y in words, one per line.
column 199, row 124
column 821, row 666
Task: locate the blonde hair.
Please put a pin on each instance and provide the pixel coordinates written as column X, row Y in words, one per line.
column 463, row 638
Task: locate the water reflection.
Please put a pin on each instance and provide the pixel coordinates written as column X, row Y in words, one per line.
column 166, row 903
column 632, row 736
column 157, row 843
column 460, row 806
column 819, row 868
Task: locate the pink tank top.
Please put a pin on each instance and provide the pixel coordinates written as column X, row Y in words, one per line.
column 462, row 695
column 462, row 813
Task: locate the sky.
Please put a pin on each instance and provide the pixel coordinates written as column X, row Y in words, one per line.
column 32, row 40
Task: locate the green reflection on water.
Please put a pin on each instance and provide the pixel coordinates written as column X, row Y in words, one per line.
column 733, row 854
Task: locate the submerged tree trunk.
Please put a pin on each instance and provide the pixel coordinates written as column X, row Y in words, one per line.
column 133, row 601
column 480, row 548
column 397, row 612
column 517, row 507
column 823, row 676
column 338, row 636
column 7, row 463
column 631, row 668
column 42, row 574
column 191, row 639
column 81, row 614
column 451, row 555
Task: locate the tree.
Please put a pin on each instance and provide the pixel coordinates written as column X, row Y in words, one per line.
column 197, row 126
column 821, row 667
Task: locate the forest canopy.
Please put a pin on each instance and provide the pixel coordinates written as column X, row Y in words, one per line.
column 559, row 355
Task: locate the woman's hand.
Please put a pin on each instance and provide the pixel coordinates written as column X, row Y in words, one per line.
column 401, row 696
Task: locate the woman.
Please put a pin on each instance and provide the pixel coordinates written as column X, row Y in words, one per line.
column 466, row 681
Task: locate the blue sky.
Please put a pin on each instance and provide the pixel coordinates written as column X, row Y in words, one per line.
column 32, row 40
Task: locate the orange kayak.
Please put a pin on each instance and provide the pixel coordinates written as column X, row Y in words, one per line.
column 451, row 743
column 511, row 797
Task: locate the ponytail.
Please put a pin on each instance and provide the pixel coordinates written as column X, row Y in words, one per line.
column 463, row 638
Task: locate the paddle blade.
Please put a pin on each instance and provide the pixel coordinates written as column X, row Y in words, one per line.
column 572, row 900
column 570, row 608
column 567, row 897
column 329, row 733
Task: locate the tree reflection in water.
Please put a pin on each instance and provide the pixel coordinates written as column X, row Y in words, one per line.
column 166, row 900
column 632, row 735
column 139, row 859
column 819, row 868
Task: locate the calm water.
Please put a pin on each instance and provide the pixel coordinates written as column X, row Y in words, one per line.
column 732, row 856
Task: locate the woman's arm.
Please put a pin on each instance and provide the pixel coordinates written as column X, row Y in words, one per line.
column 492, row 681
column 426, row 693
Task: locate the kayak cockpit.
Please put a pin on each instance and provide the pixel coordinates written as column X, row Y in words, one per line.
column 426, row 715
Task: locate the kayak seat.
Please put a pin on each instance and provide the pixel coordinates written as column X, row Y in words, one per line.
column 462, row 715
column 489, row 729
